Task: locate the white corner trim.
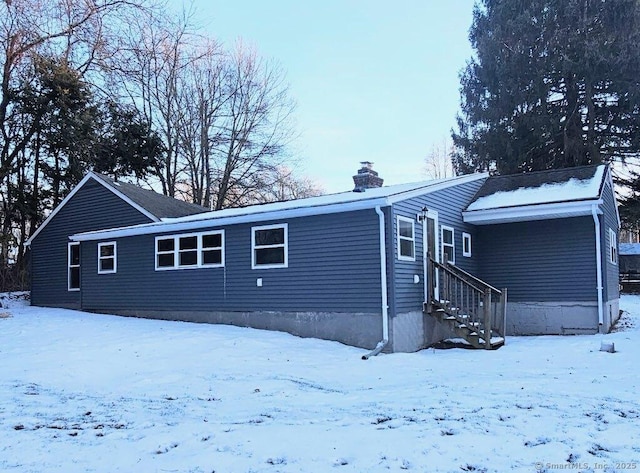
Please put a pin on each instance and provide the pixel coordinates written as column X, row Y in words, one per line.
column 73, row 192
column 530, row 212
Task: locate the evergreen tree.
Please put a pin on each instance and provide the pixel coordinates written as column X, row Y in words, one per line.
column 552, row 84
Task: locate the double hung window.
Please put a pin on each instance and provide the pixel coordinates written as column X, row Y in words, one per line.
column 613, row 247
column 406, row 239
column 269, row 246
column 107, row 258
column 448, row 244
column 73, row 266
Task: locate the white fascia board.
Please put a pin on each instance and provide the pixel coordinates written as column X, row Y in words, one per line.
column 454, row 181
column 168, row 227
column 59, row 207
column 530, row 212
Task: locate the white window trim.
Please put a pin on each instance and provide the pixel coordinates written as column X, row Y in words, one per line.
column 199, row 248
column 452, row 245
column 69, row 266
column 613, row 247
column 115, row 257
column 285, row 226
column 466, row 237
column 402, row 257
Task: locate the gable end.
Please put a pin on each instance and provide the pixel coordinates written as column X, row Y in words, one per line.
column 73, row 192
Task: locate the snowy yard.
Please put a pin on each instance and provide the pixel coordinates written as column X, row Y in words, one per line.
column 94, row 393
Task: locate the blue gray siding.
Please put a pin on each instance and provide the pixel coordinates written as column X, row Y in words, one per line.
column 611, row 272
column 547, row 260
column 449, row 203
column 91, row 208
column 334, row 266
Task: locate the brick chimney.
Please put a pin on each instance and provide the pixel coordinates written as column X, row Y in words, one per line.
column 366, row 178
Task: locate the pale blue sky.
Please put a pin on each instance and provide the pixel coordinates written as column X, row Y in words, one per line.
column 373, row 80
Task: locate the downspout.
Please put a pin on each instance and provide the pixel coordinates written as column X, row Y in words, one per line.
column 383, row 285
column 596, row 221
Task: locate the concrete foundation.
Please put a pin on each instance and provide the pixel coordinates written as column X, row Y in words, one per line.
column 552, row 318
column 413, row 331
column 362, row 330
column 611, row 314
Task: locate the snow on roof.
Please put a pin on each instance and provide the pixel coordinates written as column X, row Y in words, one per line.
column 331, row 203
column 572, row 189
column 319, row 201
column 629, row 249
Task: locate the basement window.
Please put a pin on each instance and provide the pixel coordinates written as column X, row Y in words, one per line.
column 613, row 247
column 448, row 244
column 193, row 250
column 406, row 239
column 269, row 246
column 107, row 262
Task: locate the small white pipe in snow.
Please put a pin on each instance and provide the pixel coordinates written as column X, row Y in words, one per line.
column 383, row 283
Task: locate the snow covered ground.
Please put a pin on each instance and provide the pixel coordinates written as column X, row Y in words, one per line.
column 94, row 393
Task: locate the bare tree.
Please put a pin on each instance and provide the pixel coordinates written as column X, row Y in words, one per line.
column 203, row 99
column 256, row 129
column 287, row 186
column 154, row 62
column 73, row 32
column 438, row 163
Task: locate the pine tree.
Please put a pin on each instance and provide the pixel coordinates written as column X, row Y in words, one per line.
column 552, row 84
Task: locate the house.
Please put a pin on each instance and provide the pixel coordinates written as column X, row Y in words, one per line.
column 96, row 203
column 395, row 268
column 550, row 237
column 629, row 267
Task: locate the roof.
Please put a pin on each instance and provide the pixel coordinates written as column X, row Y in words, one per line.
column 151, row 204
column 325, row 204
column 161, row 206
column 627, row 249
column 538, row 195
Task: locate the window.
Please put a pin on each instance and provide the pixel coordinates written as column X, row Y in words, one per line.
column 406, row 239
column 613, row 247
column 194, row 250
column 466, row 244
column 165, row 252
column 448, row 244
column 269, row 246
column 73, row 263
column 107, row 258
column 211, row 250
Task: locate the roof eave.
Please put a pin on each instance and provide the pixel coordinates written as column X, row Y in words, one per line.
column 525, row 213
column 165, row 227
